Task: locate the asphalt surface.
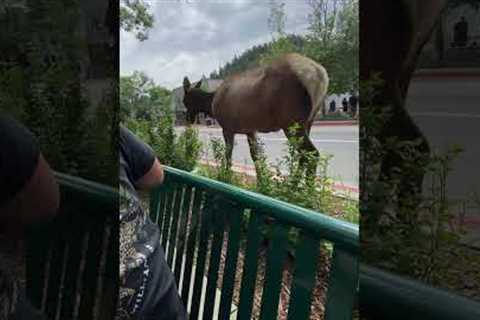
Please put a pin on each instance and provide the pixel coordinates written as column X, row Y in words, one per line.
column 339, row 141
column 447, row 110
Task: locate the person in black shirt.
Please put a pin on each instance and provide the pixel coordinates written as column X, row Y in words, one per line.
column 353, row 101
column 345, row 105
column 28, row 195
column 332, row 106
column 147, row 285
column 460, row 33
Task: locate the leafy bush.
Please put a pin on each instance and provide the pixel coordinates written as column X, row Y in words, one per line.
column 182, row 151
column 188, row 149
column 219, row 169
column 413, row 234
column 335, row 116
column 145, row 109
column 291, row 185
column 40, row 85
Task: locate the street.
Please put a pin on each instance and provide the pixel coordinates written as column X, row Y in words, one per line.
column 339, row 141
column 447, row 110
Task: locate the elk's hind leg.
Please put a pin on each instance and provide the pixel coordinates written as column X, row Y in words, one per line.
column 256, row 150
column 229, row 138
column 309, row 153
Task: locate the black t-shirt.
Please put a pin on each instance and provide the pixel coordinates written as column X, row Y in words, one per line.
column 19, row 156
column 139, row 236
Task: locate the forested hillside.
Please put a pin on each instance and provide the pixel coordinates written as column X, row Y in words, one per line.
column 331, row 40
column 251, row 57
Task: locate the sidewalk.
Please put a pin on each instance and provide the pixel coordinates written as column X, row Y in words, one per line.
column 447, row 73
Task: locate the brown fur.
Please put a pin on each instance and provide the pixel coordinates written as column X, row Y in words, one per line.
column 264, row 99
column 261, row 100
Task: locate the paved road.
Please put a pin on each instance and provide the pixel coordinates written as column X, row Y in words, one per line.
column 339, row 141
column 448, row 111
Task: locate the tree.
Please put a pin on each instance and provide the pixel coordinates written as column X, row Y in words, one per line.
column 140, row 97
column 135, row 17
column 277, row 18
column 324, row 20
column 281, row 43
column 334, row 41
column 42, row 85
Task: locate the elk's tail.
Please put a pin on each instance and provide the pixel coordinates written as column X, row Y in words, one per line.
column 314, row 78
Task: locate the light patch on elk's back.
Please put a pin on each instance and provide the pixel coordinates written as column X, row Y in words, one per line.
column 313, row 77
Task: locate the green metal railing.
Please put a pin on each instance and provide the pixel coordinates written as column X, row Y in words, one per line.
column 387, row 296
column 199, row 218
column 72, row 263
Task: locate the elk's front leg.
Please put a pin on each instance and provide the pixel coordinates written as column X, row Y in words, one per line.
column 229, row 138
column 255, row 149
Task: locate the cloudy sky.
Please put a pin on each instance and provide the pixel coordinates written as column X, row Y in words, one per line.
column 192, row 38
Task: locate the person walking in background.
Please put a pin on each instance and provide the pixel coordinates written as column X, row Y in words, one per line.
column 460, row 33
column 29, row 196
column 332, row 106
column 147, row 286
column 345, row 105
column 353, row 102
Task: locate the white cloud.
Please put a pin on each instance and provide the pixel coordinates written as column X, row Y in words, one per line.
column 194, row 38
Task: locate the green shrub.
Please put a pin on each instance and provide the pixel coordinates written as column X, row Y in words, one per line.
column 292, row 185
column 188, row 149
column 336, row 116
column 179, row 151
column 411, row 235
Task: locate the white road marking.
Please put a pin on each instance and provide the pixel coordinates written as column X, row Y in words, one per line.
column 445, row 115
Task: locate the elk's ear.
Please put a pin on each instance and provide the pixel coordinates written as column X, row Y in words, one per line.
column 186, row 84
column 198, row 85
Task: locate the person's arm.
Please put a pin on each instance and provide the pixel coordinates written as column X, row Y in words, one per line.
column 145, row 170
column 152, row 178
column 28, row 190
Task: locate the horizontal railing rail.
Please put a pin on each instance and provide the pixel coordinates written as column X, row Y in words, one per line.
column 214, row 226
column 72, row 264
column 342, row 233
column 384, row 295
column 72, row 261
column 97, row 192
